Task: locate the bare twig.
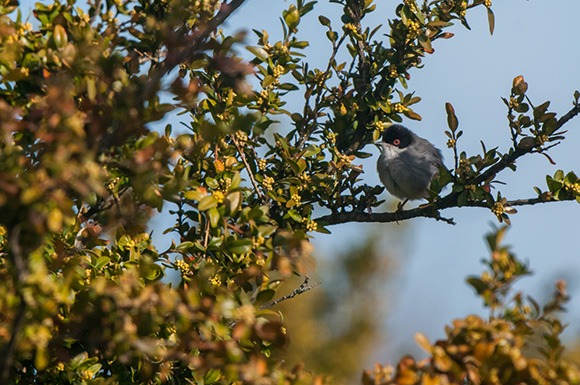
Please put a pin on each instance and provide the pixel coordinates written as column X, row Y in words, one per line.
column 240, row 150
column 104, row 203
column 568, row 116
column 304, row 287
column 206, row 236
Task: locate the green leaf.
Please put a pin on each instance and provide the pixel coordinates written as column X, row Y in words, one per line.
column 212, row 183
column 540, row 110
column 94, row 369
column 268, row 81
column 91, row 87
column 292, row 17
column 78, row 360
column 42, row 358
column 266, row 230
column 490, row 20
column 207, row 203
column 288, row 87
column 311, row 150
column 452, row 120
column 258, row 213
column 239, row 246
column 234, row 201
column 322, row 230
column 332, row 36
column 571, row 177
column 151, row 271
column 299, row 44
column 59, row 36
column 102, row 261
column 550, row 126
column 324, row 20
column 294, row 215
column 363, row 155
column 294, row 166
column 184, row 246
column 477, row 284
column 236, row 180
column 214, row 217
column 409, row 113
column 199, row 246
column 212, row 376
column 553, row 185
column 258, row 52
column 426, row 44
column 265, row 296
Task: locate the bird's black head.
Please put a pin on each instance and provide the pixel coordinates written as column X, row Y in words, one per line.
column 398, row 136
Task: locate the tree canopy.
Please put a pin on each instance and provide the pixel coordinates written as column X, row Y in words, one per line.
column 85, row 294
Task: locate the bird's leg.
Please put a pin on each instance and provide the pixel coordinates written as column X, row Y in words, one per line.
column 401, row 204
column 400, row 209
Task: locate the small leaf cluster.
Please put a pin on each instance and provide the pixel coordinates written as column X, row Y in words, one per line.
column 562, row 186
column 530, row 132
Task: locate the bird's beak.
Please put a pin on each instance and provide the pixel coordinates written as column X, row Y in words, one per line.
column 381, row 145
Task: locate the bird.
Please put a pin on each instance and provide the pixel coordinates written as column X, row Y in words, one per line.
column 407, row 163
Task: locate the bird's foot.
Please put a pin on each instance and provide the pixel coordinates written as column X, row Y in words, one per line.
column 399, row 209
column 400, row 205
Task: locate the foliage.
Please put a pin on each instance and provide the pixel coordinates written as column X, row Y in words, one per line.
column 85, row 296
column 518, row 344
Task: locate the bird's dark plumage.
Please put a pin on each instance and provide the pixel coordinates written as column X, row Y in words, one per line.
column 408, row 163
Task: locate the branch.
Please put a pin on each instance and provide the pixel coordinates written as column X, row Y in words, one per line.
column 240, row 150
column 569, row 115
column 304, row 287
column 450, row 200
column 425, row 211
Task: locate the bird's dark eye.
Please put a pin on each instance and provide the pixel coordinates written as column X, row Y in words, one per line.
column 396, row 142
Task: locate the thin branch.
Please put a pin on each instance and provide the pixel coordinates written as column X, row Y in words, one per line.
column 425, row 211
column 240, row 150
column 304, row 287
column 104, row 204
column 206, row 236
column 568, row 116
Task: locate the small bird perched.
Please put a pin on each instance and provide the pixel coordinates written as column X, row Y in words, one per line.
column 407, row 163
